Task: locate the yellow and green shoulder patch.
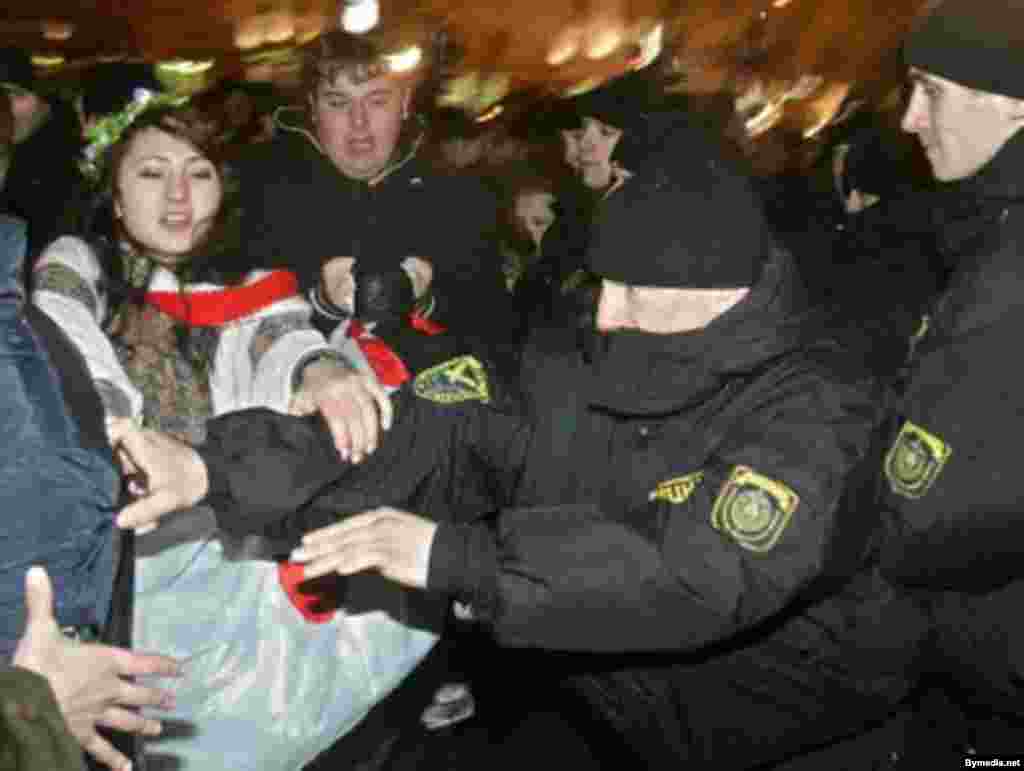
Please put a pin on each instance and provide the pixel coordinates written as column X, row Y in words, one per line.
column 677, row 489
column 461, row 379
column 753, row 509
column 915, row 460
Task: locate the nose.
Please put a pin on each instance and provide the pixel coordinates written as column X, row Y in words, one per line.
column 611, row 306
column 915, row 118
column 178, row 187
column 358, row 115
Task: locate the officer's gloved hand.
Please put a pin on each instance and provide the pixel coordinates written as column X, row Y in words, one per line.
column 383, row 296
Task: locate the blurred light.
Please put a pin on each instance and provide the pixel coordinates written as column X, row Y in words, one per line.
column 491, row 114
column 249, row 33
column 44, row 60
column 805, row 86
column 359, row 16
column 308, row 27
column 405, row 60
column 826, row 108
column 278, row 27
column 766, row 117
column 57, row 30
column 603, row 40
column 582, row 87
column 566, row 45
column 780, row 3
column 650, row 46
column 184, row 66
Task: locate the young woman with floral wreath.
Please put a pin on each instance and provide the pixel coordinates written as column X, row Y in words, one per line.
column 173, row 337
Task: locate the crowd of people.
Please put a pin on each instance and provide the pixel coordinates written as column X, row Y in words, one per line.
column 319, row 449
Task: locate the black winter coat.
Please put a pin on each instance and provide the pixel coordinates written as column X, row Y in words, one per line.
column 299, row 211
column 953, row 501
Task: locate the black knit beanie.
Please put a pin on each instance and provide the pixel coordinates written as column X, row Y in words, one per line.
column 976, row 43
column 693, row 220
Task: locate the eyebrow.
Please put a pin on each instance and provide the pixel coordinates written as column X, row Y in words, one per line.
column 167, row 159
column 379, row 90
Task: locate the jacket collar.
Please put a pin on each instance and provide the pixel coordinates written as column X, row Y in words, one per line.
column 976, row 219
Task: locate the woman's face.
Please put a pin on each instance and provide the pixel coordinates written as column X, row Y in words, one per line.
column 589, row 150
column 167, row 194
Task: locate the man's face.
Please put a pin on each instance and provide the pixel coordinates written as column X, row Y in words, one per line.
column 358, row 124
column 960, row 129
column 660, row 310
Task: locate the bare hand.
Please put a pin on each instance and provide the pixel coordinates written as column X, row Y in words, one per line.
column 355, row 406
column 394, row 542
column 175, row 476
column 34, row 734
column 89, row 680
column 421, row 272
column 339, row 284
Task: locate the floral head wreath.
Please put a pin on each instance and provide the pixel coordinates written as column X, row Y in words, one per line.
column 108, row 130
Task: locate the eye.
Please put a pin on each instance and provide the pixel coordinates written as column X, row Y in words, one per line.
column 148, row 172
column 608, row 132
column 203, row 173
column 337, row 103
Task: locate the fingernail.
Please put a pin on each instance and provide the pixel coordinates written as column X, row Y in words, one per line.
column 344, row 454
column 299, row 555
column 145, row 529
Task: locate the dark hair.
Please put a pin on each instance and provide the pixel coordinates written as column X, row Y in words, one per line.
column 212, row 257
column 360, row 58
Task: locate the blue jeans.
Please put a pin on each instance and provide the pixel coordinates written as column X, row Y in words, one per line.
column 57, row 498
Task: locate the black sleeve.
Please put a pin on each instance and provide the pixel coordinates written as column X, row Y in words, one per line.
column 281, row 476
column 668, row 575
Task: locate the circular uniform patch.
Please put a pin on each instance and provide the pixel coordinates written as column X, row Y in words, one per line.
column 915, row 460
column 753, row 509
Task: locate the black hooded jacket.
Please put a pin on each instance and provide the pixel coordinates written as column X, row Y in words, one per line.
column 300, row 211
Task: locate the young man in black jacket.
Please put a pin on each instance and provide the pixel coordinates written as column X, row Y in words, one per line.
column 670, row 512
column 953, row 499
column 345, row 178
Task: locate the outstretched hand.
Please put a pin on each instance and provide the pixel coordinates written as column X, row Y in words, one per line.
column 355, row 406
column 394, row 542
column 90, row 681
column 169, row 475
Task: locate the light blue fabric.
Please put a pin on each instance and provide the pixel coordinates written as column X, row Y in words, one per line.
column 265, row 690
